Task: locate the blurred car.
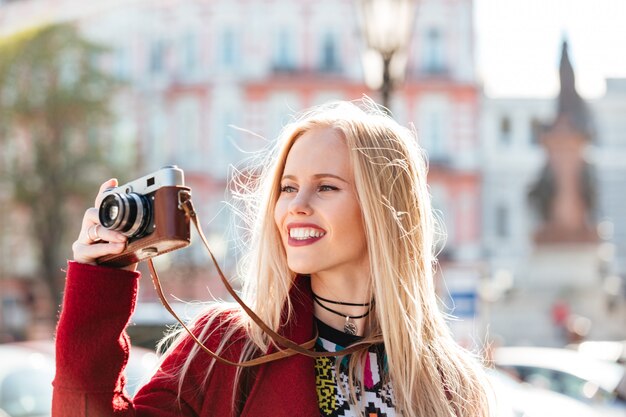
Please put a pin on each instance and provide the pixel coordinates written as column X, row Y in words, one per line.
column 27, row 371
column 601, row 384
column 614, row 351
column 25, row 381
column 519, row 399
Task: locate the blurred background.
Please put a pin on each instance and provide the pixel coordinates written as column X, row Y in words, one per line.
column 520, row 106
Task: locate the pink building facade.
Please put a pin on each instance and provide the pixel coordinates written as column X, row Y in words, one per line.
column 210, row 82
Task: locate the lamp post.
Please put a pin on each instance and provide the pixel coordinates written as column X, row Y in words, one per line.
column 387, row 26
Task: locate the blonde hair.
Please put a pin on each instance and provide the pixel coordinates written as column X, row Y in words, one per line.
column 430, row 373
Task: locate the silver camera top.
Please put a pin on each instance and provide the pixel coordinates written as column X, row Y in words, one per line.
column 169, row 175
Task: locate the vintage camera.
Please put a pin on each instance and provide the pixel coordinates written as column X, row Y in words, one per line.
column 149, row 211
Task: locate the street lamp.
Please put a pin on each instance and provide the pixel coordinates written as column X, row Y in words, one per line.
column 387, row 26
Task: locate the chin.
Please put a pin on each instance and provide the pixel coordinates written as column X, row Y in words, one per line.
column 303, row 268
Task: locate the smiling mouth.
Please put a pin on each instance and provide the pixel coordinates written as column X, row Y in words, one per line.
column 305, row 233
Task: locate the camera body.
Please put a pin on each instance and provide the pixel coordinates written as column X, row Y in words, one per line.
column 148, row 211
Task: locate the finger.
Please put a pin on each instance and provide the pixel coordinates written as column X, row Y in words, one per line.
column 103, row 233
column 90, row 253
column 105, row 185
column 87, row 233
column 90, row 218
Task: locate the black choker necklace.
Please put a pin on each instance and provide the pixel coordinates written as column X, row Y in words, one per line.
column 350, row 326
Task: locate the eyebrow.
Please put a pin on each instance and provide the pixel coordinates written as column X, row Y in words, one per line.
column 316, row 176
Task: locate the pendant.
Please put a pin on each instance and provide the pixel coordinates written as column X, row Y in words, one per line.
column 350, row 326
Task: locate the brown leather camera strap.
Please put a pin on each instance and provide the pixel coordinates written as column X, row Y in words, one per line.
column 286, row 346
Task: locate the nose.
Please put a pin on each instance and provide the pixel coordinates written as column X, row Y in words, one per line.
column 300, row 203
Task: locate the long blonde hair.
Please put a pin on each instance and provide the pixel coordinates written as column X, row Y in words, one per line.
column 431, row 375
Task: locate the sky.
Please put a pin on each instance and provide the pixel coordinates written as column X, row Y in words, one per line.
column 518, row 44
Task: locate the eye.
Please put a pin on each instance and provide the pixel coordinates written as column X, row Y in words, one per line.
column 327, row 188
column 287, row 189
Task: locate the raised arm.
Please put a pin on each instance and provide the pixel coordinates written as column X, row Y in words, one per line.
column 92, row 346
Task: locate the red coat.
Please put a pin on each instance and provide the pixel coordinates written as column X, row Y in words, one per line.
column 92, row 349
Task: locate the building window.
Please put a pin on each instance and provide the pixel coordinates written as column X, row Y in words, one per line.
column 157, row 57
column 536, row 128
column 122, row 65
column 279, row 110
column 157, row 151
column 330, row 59
column 188, row 128
column 432, row 135
column 190, row 53
column 222, row 148
column 228, row 48
column 284, row 59
column 434, row 129
column 433, row 126
column 434, row 55
column 502, row 221
column 505, row 130
column 13, row 312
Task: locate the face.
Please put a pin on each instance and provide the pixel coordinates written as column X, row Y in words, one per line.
column 317, row 213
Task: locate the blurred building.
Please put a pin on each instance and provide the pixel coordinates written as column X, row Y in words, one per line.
column 210, row 82
column 514, row 160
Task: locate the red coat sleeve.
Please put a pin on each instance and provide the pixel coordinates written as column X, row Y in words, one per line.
column 92, row 350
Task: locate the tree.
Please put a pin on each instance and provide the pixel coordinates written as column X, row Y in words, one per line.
column 54, row 103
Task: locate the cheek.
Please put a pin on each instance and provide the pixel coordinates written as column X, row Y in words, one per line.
column 358, row 231
column 279, row 214
column 359, row 227
column 351, row 220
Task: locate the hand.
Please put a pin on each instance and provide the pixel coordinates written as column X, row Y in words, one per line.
column 95, row 241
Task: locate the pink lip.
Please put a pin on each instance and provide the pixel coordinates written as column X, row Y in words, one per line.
column 295, row 242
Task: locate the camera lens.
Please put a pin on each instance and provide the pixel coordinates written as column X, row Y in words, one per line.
column 125, row 213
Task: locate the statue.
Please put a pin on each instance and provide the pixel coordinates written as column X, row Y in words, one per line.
column 564, row 196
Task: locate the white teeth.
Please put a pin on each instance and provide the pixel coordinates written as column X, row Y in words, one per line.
column 302, row 233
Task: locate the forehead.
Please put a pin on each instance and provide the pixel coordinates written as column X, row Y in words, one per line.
column 319, row 150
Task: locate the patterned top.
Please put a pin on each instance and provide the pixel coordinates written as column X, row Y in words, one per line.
column 333, row 398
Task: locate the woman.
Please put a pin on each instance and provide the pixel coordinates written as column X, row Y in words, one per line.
column 342, row 245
